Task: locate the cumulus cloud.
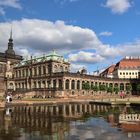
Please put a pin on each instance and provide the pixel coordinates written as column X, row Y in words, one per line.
column 85, row 57
column 43, row 36
column 9, row 3
column 105, row 33
column 37, row 37
column 118, row 6
column 75, row 67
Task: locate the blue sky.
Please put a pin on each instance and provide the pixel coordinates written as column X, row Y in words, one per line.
column 90, row 33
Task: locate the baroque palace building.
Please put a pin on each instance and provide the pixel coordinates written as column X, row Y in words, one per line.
column 50, row 75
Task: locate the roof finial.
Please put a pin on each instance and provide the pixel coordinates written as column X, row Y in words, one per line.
column 11, row 33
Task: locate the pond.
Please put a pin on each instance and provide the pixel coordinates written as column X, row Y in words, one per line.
column 73, row 121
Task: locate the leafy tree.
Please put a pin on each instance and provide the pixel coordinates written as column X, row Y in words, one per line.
column 116, row 89
column 128, row 88
column 110, row 89
column 138, row 87
column 102, row 87
column 85, row 86
column 95, row 88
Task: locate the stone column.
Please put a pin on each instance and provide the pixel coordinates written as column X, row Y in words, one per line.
column 56, row 83
column 70, row 111
column 85, row 109
column 89, row 106
column 80, row 107
column 75, row 84
column 70, row 84
column 75, row 109
column 64, row 110
column 64, row 84
column 57, row 110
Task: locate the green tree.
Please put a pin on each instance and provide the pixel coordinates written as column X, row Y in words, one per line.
column 102, row 87
column 116, row 89
column 86, row 86
column 110, row 89
column 95, row 88
column 138, row 87
column 128, row 88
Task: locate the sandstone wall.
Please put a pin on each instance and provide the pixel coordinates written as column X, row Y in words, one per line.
column 2, row 86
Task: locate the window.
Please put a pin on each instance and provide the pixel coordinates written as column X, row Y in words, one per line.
column 120, row 73
column 123, row 73
column 132, row 73
column 67, row 84
column 35, row 71
column 39, row 70
column 44, row 70
column 73, row 84
column 129, row 73
column 126, row 73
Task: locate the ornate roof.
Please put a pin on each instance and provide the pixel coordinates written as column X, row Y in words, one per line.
column 53, row 56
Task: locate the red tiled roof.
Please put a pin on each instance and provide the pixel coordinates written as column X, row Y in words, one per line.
column 128, row 64
column 109, row 70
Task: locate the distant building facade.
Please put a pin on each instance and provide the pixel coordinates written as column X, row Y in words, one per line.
column 127, row 68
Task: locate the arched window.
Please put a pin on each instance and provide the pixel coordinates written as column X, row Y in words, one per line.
column 44, row 70
column 35, row 71
column 121, row 86
column 60, row 84
column 110, row 85
column 43, row 84
column 72, row 84
column 35, row 84
column 67, row 84
column 116, row 85
column 39, row 84
column 39, row 70
column 54, row 83
column 78, row 84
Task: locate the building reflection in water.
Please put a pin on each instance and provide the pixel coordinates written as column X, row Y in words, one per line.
column 58, row 122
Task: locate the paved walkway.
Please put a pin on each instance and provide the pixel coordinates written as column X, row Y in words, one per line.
column 104, row 99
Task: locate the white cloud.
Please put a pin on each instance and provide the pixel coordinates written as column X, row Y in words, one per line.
column 43, row 36
column 118, row 6
column 85, row 57
column 76, row 67
column 9, row 3
column 105, row 33
column 34, row 37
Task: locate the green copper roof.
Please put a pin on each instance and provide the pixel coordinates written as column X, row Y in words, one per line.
column 52, row 56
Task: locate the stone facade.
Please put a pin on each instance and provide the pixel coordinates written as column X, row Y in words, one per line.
column 49, row 75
